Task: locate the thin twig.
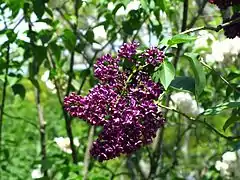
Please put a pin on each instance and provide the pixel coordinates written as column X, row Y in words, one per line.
column 42, row 123
column 184, row 26
column 69, row 85
column 160, row 134
column 21, row 118
column 4, row 84
column 200, row 11
column 18, row 23
column 221, row 77
column 4, row 93
column 87, row 152
column 196, row 120
column 216, row 29
column 42, row 128
column 65, row 115
column 135, row 35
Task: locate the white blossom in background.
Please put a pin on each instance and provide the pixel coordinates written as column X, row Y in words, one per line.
column 64, row 143
column 99, row 33
column 229, row 157
column 222, row 167
column 224, row 52
column 36, row 173
column 145, row 167
column 229, row 165
column 203, row 38
column 48, row 82
column 186, row 104
column 133, row 5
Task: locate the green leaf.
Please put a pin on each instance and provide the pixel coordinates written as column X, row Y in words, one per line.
column 39, row 8
column 84, row 73
column 55, row 49
column 11, row 79
column 117, row 7
column 144, row 4
column 127, row 28
column 45, row 35
column 34, row 82
column 90, row 36
column 165, row 74
column 236, row 8
column 11, row 35
column 46, row 164
column 39, row 54
column 234, row 118
column 161, row 4
column 19, row 89
column 69, row 39
column 80, row 46
column 181, row 38
column 233, row 75
column 183, row 83
column 15, row 6
column 200, row 77
column 219, row 108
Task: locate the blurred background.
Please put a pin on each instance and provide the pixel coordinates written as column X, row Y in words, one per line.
column 47, row 50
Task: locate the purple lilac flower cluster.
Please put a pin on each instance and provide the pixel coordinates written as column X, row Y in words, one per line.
column 153, row 56
column 128, row 50
column 222, row 4
column 123, row 107
column 232, row 30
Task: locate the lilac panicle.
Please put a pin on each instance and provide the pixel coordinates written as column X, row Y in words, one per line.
column 223, row 4
column 94, row 107
column 128, row 50
column 232, row 30
column 125, row 110
column 106, row 69
column 153, row 56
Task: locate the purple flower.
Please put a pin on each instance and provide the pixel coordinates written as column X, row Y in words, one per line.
column 153, row 56
column 125, row 110
column 129, row 128
column 106, row 69
column 94, row 108
column 118, row 137
column 233, row 30
column 144, row 87
column 223, row 4
column 128, row 50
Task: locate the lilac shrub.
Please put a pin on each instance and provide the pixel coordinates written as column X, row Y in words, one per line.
column 122, row 103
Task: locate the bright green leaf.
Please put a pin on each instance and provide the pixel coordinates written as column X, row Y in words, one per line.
column 161, row 4
column 165, row 74
column 181, row 38
column 219, row 108
column 69, row 39
column 56, row 50
column 15, row 6
column 200, row 77
column 145, row 5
